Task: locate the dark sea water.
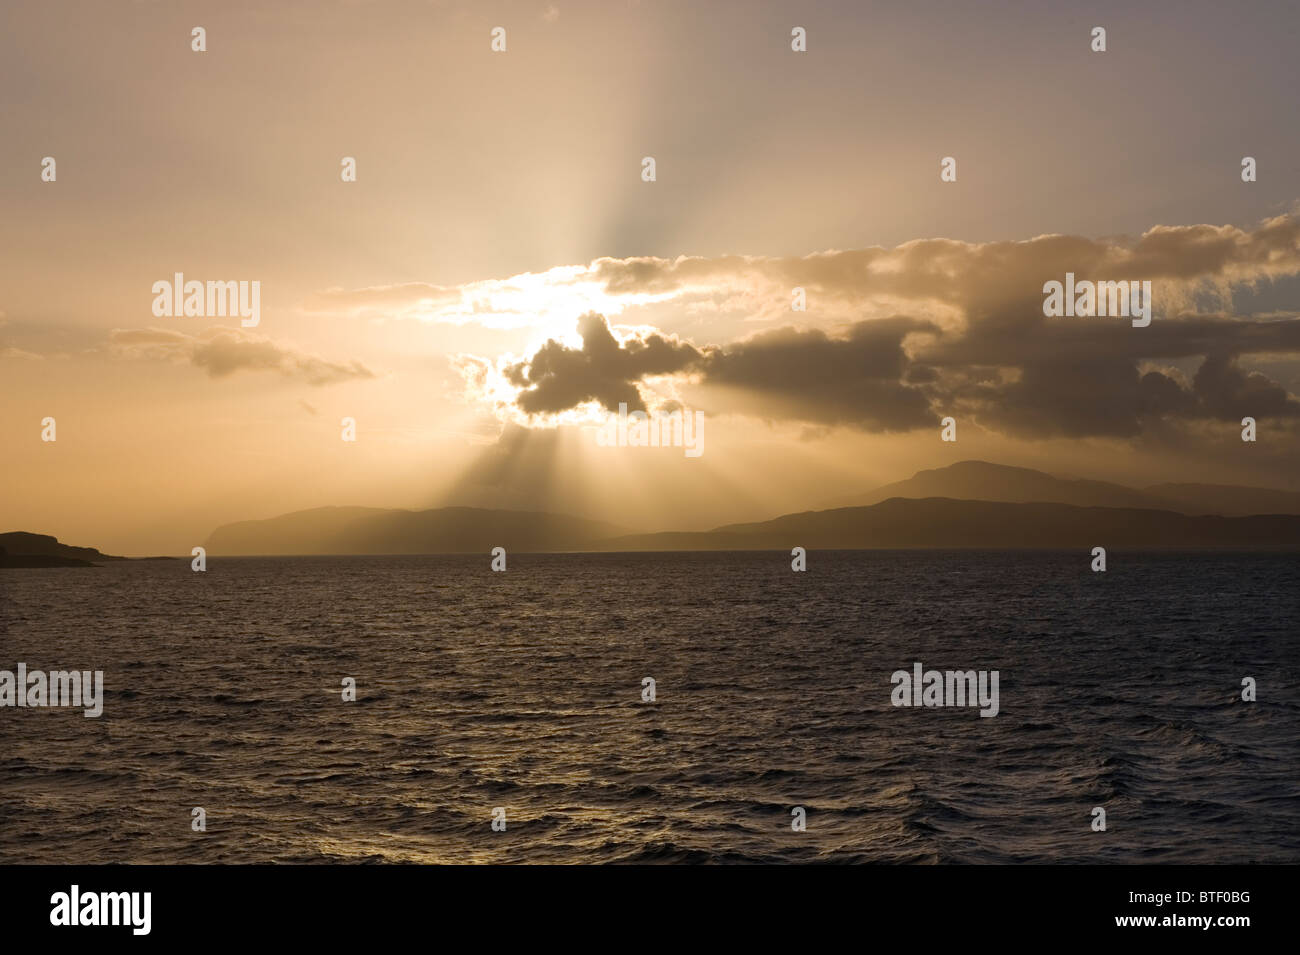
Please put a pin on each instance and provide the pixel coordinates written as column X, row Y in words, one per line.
column 522, row 690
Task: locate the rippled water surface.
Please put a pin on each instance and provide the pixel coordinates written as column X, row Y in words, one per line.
column 523, row 690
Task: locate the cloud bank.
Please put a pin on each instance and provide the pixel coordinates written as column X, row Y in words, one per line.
column 895, row 339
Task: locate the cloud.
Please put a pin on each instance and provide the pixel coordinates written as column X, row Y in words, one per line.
column 604, row 369
column 222, row 351
column 981, row 277
column 804, row 375
column 897, row 338
column 864, row 378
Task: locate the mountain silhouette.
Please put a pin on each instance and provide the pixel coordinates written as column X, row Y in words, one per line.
column 983, row 481
column 946, row 523
column 446, row 530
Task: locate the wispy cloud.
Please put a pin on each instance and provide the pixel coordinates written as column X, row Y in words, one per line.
column 221, row 352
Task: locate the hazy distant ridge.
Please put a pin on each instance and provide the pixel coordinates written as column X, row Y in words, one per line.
column 982, row 481
column 447, row 530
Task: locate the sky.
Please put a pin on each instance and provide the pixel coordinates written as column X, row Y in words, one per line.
column 500, row 275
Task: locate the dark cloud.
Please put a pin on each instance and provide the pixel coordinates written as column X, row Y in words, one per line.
column 806, row 375
column 786, row 373
column 1057, row 381
column 1086, row 377
column 604, row 369
column 1224, row 391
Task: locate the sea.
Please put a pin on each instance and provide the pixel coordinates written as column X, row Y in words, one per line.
column 520, row 698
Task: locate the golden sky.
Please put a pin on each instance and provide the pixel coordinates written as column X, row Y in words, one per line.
column 499, row 273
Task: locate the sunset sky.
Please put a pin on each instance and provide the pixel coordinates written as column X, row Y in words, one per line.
column 440, row 299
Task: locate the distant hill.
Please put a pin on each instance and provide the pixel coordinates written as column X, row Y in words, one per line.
column 982, row 481
column 446, row 530
column 941, row 522
column 23, row 549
